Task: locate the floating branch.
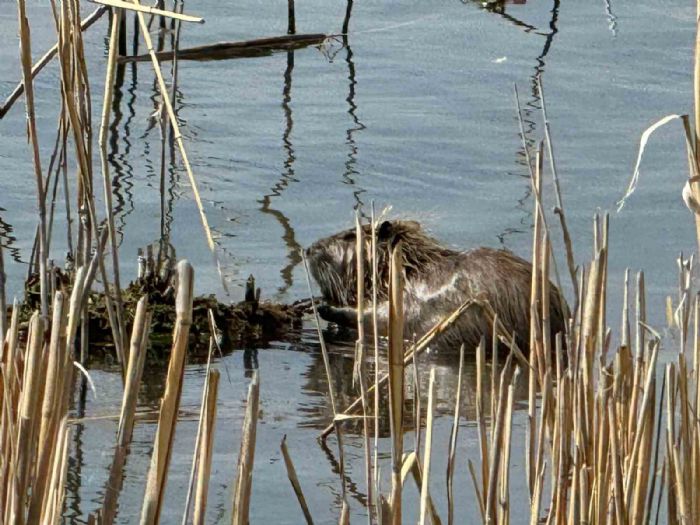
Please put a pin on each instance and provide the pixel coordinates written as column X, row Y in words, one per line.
column 246, row 49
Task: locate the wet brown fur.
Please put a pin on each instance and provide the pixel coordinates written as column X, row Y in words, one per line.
column 437, row 281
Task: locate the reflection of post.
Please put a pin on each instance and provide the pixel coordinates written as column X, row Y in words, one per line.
column 350, row 170
column 532, row 106
column 289, row 236
column 123, row 171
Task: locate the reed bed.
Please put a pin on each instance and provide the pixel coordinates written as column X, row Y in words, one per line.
column 611, row 417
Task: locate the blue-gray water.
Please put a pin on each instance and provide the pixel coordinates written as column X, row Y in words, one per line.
column 417, row 112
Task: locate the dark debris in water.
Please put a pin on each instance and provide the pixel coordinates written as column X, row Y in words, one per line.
column 248, row 323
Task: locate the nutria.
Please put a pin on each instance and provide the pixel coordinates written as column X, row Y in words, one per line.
column 437, row 281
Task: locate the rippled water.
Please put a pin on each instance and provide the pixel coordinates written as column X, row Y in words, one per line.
column 415, row 111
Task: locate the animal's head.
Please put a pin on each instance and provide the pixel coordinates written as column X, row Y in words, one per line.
column 333, row 260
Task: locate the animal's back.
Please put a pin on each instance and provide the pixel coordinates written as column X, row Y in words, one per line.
column 495, row 276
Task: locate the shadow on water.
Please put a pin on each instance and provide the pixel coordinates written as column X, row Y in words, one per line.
column 286, row 178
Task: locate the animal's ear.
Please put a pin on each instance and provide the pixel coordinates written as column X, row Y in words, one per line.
column 385, row 231
column 412, row 225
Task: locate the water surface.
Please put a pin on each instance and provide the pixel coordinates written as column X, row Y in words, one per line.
column 414, row 109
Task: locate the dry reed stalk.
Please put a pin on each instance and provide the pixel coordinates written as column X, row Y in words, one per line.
column 76, row 102
column 132, row 381
column 45, row 59
column 375, row 341
column 335, row 426
column 559, row 209
column 535, row 299
column 504, row 472
column 360, row 365
column 416, row 404
column 496, row 451
column 120, row 328
column 428, row 451
column 414, row 349
column 27, row 422
column 453, row 441
column 112, row 319
column 696, row 100
column 481, row 424
column 201, row 421
column 118, row 4
column 246, row 457
column 27, row 80
column 540, row 464
column 396, row 377
column 167, row 420
column 177, row 137
column 3, row 299
column 410, row 464
column 294, row 480
column 56, row 493
column 206, row 448
column 50, row 418
column 324, row 350
column 10, row 396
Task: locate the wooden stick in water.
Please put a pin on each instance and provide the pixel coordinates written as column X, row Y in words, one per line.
column 294, row 480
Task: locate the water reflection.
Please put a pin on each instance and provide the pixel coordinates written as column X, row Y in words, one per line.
column 341, row 357
column 8, row 239
column 349, row 177
column 341, row 360
column 531, row 105
column 122, row 170
column 286, row 178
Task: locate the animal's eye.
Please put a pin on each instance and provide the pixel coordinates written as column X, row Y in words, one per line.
column 349, row 236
